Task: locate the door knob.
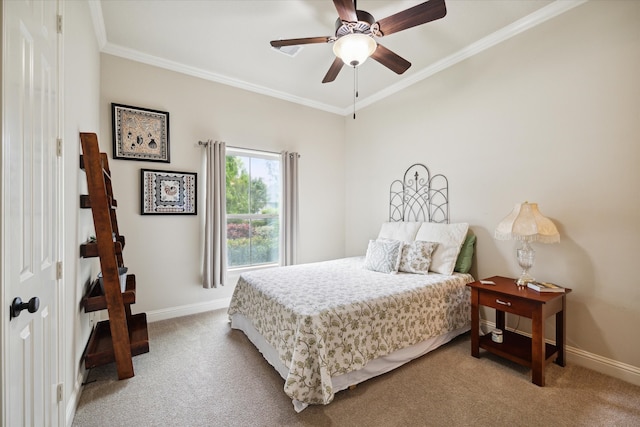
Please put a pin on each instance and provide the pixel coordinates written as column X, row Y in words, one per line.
column 17, row 306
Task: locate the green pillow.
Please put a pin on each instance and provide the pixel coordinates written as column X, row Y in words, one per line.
column 465, row 257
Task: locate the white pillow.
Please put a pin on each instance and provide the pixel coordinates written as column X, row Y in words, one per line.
column 450, row 238
column 383, row 256
column 403, row 231
column 416, row 257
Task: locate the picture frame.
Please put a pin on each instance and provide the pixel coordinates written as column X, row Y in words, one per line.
column 140, row 133
column 168, row 192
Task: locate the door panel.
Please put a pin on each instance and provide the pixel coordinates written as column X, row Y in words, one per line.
column 30, row 196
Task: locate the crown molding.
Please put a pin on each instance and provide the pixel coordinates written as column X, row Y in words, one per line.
column 532, row 20
column 536, row 18
column 134, row 55
column 95, row 10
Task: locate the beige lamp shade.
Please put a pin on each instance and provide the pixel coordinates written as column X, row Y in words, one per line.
column 525, row 222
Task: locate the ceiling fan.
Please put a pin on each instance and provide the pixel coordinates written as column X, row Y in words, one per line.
column 354, row 40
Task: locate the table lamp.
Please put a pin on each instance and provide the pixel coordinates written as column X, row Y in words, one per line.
column 526, row 223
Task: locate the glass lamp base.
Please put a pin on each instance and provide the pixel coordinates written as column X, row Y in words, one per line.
column 526, row 256
column 524, row 279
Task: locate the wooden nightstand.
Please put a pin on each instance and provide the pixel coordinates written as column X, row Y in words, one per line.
column 506, row 297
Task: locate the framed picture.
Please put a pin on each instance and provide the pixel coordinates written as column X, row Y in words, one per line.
column 168, row 193
column 140, row 133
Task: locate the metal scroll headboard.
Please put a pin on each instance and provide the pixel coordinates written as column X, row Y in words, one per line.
column 419, row 196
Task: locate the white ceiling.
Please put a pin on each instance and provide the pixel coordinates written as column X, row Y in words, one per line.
column 228, row 42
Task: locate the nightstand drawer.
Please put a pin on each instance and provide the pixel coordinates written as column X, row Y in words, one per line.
column 507, row 303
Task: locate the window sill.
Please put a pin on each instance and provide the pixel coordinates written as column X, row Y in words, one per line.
column 251, row 268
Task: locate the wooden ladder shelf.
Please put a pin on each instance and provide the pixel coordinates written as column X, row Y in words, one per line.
column 123, row 335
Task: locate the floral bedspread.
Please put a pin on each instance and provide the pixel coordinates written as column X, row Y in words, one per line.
column 329, row 318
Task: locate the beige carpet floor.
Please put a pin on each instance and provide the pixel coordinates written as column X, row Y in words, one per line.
column 199, row 372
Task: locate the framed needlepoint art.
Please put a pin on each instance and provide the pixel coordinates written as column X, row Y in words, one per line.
column 168, row 193
column 140, row 133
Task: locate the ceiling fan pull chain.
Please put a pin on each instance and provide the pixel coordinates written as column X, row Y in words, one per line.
column 355, row 90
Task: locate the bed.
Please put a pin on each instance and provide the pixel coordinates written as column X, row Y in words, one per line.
column 328, row 325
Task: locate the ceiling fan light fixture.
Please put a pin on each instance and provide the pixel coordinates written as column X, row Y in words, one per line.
column 354, row 48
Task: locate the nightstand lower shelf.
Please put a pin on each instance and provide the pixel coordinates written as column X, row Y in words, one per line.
column 515, row 347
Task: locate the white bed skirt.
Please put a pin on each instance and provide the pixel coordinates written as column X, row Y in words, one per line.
column 372, row 369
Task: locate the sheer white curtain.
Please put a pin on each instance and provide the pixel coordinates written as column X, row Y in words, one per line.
column 215, row 231
column 289, row 223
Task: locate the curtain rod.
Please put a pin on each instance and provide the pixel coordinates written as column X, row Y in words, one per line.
column 205, row 143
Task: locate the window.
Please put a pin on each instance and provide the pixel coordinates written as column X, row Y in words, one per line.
column 253, row 208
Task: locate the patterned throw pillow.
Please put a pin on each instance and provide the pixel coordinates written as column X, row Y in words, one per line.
column 383, row 256
column 416, row 257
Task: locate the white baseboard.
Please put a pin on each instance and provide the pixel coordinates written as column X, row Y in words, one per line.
column 74, row 398
column 613, row 368
column 186, row 310
column 604, row 365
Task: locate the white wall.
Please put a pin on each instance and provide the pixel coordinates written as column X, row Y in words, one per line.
column 164, row 251
column 81, row 69
column 550, row 116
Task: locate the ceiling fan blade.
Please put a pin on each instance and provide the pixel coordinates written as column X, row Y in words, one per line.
column 333, row 70
column 391, row 60
column 293, row 42
column 417, row 15
column 346, row 10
